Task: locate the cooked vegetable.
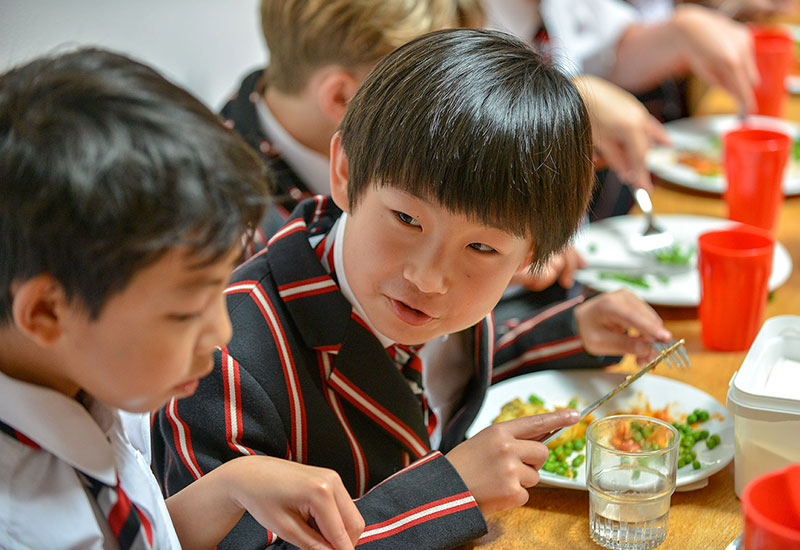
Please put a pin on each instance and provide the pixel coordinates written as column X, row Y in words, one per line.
column 635, row 280
column 676, row 255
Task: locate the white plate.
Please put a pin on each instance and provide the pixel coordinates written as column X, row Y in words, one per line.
column 703, row 134
column 556, row 388
column 606, row 240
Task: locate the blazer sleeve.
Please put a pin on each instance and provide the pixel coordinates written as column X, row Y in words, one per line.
column 546, row 338
column 425, row 506
column 194, row 435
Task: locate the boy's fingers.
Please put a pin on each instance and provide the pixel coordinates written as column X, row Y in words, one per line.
column 533, row 427
column 334, row 519
column 304, row 536
column 351, row 517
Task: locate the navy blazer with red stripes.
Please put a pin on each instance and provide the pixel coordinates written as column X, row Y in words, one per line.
column 303, row 379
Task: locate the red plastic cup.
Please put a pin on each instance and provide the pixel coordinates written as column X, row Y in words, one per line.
column 734, row 266
column 774, row 52
column 771, row 506
column 754, row 161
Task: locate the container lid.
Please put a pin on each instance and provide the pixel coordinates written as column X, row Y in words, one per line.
column 767, row 385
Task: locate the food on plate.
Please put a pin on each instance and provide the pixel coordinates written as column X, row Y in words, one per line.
column 705, row 163
column 567, row 451
column 676, row 254
column 560, row 460
column 639, row 281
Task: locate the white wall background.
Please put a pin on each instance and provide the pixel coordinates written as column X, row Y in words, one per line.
column 206, row 46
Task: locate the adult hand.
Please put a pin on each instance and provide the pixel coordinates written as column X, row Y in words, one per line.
column 502, row 461
column 617, row 323
column 718, row 50
column 285, row 496
column 561, row 268
column 622, row 129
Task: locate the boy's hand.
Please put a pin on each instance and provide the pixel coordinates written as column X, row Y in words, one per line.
column 502, row 461
column 285, row 496
column 622, row 129
column 561, row 268
column 718, row 50
column 619, row 322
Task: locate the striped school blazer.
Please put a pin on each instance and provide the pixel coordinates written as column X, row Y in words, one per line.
column 303, row 379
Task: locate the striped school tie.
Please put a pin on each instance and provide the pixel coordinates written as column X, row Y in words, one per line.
column 410, row 366
column 129, row 524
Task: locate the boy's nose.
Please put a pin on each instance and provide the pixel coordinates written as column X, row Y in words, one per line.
column 219, row 330
column 426, row 270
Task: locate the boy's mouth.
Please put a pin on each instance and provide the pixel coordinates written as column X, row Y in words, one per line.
column 408, row 314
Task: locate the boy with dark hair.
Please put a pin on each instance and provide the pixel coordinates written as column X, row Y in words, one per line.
column 122, row 211
column 462, row 160
column 320, row 52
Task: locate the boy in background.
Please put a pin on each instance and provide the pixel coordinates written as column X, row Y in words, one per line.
column 122, row 211
column 319, row 53
column 462, row 160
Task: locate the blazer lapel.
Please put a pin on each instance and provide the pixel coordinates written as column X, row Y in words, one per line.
column 368, row 378
column 363, row 373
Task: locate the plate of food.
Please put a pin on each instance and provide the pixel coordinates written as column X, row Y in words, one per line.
column 668, row 279
column 707, row 441
column 694, row 160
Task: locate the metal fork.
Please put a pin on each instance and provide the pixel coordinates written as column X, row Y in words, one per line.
column 654, row 237
column 664, row 354
column 678, row 359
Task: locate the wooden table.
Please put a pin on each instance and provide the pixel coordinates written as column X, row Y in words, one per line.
column 707, row 518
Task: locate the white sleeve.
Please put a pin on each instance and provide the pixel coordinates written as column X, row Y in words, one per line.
column 584, row 33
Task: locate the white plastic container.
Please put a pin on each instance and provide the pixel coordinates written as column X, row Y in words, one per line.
column 764, row 399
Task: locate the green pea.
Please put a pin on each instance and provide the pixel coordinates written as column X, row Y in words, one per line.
column 681, row 462
column 691, row 419
column 578, row 443
column 696, row 464
column 702, row 416
column 578, row 460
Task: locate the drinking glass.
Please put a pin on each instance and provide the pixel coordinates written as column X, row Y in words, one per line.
column 631, row 468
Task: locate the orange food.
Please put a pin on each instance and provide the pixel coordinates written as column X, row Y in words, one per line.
column 701, row 163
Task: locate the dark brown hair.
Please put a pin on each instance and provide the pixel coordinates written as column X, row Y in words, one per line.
column 104, row 166
column 479, row 123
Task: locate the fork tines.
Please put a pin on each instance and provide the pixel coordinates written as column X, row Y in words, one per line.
column 675, row 358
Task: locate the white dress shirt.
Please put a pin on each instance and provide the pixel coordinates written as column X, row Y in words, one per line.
column 312, row 167
column 43, row 504
column 583, row 34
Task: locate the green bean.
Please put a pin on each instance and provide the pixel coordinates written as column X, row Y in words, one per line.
column 535, row 400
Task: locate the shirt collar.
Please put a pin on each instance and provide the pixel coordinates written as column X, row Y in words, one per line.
column 344, row 286
column 62, row 426
column 312, row 167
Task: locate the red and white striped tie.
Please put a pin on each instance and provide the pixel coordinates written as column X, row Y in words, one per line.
column 129, row 524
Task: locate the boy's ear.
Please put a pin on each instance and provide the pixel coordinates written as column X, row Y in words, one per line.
column 336, row 89
column 38, row 308
column 339, row 172
column 525, row 265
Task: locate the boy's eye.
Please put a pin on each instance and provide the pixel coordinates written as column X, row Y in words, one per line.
column 183, row 316
column 406, row 219
column 480, row 247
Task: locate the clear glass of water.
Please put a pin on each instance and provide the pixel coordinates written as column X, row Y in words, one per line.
column 632, row 463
